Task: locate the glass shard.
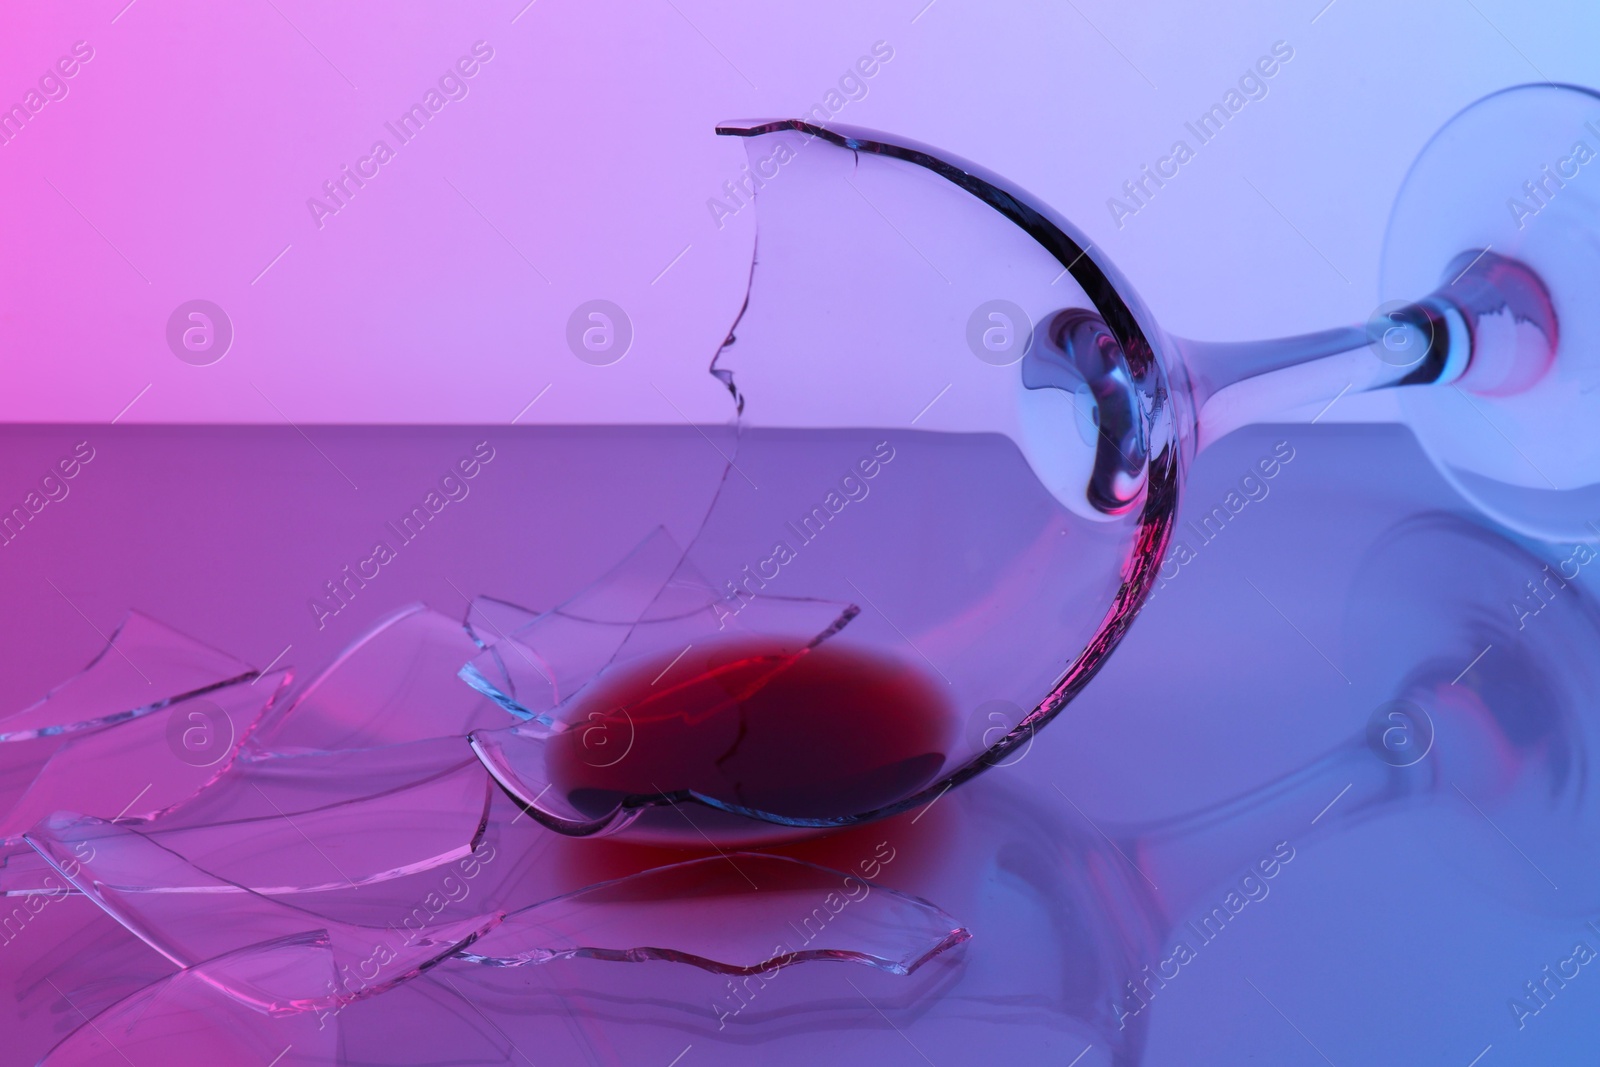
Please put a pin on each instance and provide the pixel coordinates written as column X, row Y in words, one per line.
column 321, row 822
column 770, row 912
column 533, row 667
column 394, row 684
column 219, row 1012
column 191, row 916
column 651, row 683
column 138, row 767
column 145, row 666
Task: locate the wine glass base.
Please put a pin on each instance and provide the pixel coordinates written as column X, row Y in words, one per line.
column 1516, row 174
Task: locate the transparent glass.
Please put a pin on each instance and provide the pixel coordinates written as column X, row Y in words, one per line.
column 955, row 453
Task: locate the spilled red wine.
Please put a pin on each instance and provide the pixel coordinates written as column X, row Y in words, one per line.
column 800, row 733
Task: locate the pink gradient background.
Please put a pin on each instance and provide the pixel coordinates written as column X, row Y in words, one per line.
column 194, row 137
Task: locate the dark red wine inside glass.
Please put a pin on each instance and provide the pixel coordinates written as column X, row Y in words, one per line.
column 795, row 732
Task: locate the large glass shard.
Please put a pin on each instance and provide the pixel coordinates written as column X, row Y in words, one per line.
column 69, row 961
column 145, row 666
column 220, row 1012
column 139, row 767
column 190, row 916
column 770, row 912
column 396, row 683
column 266, row 784
column 322, row 822
column 25, row 873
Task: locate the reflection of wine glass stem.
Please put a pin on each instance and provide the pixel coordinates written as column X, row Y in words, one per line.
column 1490, row 328
column 1188, row 857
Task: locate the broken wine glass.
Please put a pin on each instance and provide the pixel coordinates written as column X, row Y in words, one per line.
column 957, row 449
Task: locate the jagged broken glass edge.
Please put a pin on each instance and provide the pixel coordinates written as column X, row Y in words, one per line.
column 470, row 674
column 1131, row 324
column 316, row 923
column 631, row 805
column 196, row 993
column 682, row 575
column 234, row 756
column 956, row 935
column 249, row 674
column 474, row 677
column 158, row 834
column 271, row 723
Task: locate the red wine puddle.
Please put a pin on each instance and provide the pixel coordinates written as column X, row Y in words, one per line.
column 801, row 733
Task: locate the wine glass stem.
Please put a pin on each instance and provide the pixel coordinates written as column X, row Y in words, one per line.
column 1490, row 328
column 1240, row 383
